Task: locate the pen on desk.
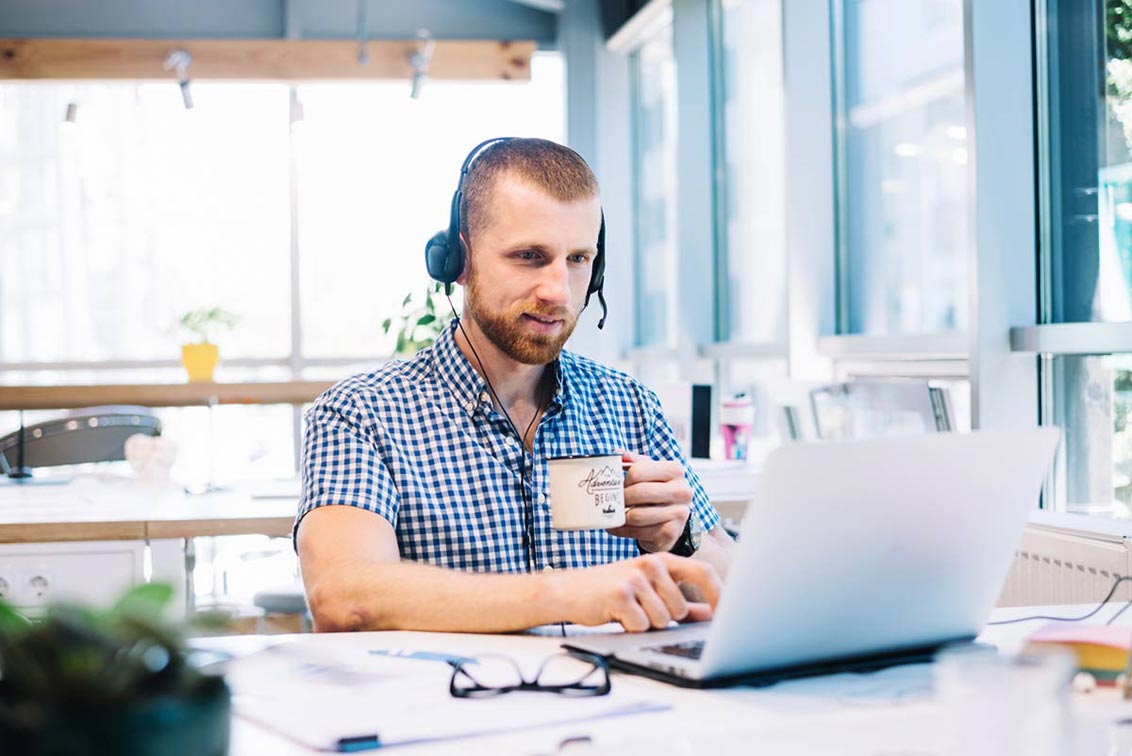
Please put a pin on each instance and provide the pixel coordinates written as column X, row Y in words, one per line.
column 357, row 743
column 423, row 655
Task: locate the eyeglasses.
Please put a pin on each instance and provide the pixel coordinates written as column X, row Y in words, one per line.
column 574, row 673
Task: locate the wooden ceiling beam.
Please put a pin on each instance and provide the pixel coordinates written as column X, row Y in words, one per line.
column 260, row 59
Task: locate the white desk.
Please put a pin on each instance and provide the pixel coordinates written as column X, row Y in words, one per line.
column 87, row 539
column 801, row 717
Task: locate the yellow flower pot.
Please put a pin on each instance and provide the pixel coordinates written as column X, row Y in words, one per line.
column 200, row 361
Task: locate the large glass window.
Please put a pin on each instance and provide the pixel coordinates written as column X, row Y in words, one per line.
column 902, row 153
column 114, row 223
column 120, row 210
column 754, row 285
column 1086, row 259
column 654, row 136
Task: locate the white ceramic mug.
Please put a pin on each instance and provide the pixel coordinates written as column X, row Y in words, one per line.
column 586, row 492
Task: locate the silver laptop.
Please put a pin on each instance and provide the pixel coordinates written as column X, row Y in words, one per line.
column 856, row 555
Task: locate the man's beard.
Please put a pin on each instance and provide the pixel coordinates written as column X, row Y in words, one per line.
column 505, row 329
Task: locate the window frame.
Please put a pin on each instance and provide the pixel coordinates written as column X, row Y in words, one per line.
column 839, row 96
column 723, row 347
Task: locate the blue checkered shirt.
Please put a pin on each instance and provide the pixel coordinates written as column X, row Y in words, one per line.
column 419, row 443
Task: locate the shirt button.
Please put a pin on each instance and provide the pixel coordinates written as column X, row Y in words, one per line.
column 471, row 406
column 548, row 568
column 542, row 498
column 485, row 397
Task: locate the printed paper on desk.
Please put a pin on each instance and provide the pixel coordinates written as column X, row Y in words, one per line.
column 317, row 699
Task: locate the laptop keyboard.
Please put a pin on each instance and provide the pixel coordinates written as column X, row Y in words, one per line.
column 687, row 649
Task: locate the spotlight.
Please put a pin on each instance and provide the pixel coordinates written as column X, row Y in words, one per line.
column 420, row 60
column 179, row 61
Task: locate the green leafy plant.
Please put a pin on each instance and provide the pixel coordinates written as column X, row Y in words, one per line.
column 1118, row 29
column 1118, row 68
column 204, row 323
column 88, row 671
column 418, row 325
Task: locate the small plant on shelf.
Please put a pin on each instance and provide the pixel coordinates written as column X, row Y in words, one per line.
column 418, row 325
column 200, row 354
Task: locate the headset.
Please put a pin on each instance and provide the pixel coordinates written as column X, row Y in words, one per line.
column 445, row 254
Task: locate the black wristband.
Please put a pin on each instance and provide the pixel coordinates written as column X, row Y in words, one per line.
column 683, row 547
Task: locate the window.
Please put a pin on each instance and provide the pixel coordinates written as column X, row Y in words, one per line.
column 1085, row 262
column 376, row 175
column 654, row 180
column 753, row 271
column 902, row 175
column 138, row 210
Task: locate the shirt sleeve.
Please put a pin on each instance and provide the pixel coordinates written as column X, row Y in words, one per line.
column 341, row 460
column 662, row 444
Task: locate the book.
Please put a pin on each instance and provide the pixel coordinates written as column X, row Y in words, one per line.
column 1102, row 650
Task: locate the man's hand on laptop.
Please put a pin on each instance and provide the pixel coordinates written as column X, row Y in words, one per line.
column 639, row 593
column 658, row 501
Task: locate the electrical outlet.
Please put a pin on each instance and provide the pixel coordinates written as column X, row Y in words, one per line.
column 37, row 587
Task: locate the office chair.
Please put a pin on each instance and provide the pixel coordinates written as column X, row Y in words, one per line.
column 96, row 434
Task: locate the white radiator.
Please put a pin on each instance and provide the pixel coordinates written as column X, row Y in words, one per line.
column 1060, row 562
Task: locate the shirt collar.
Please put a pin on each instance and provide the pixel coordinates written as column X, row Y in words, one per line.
column 454, row 371
column 468, row 386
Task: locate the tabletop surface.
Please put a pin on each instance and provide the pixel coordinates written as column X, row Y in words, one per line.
column 104, row 508
column 892, row 711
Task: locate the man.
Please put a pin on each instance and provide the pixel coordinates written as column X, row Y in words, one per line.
column 424, row 483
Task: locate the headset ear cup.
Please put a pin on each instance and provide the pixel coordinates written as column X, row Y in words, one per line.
column 597, row 276
column 445, row 261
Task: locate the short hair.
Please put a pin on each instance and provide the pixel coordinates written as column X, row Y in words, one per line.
column 549, row 166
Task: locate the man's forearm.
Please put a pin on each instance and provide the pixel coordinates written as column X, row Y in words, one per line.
column 408, row 596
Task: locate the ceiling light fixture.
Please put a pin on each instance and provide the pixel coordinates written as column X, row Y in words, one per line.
column 363, row 33
column 179, row 61
column 420, row 60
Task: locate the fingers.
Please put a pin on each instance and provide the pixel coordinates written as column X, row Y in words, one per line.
column 628, row 456
column 699, row 575
column 669, row 492
column 632, row 617
column 645, row 470
column 646, row 516
column 650, row 598
column 666, row 588
column 698, row 613
column 658, row 527
column 654, row 607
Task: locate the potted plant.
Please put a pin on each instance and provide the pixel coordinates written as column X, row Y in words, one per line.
column 418, row 326
column 201, row 356
column 80, row 681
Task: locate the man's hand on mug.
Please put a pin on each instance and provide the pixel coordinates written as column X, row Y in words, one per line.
column 657, row 502
column 640, row 593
